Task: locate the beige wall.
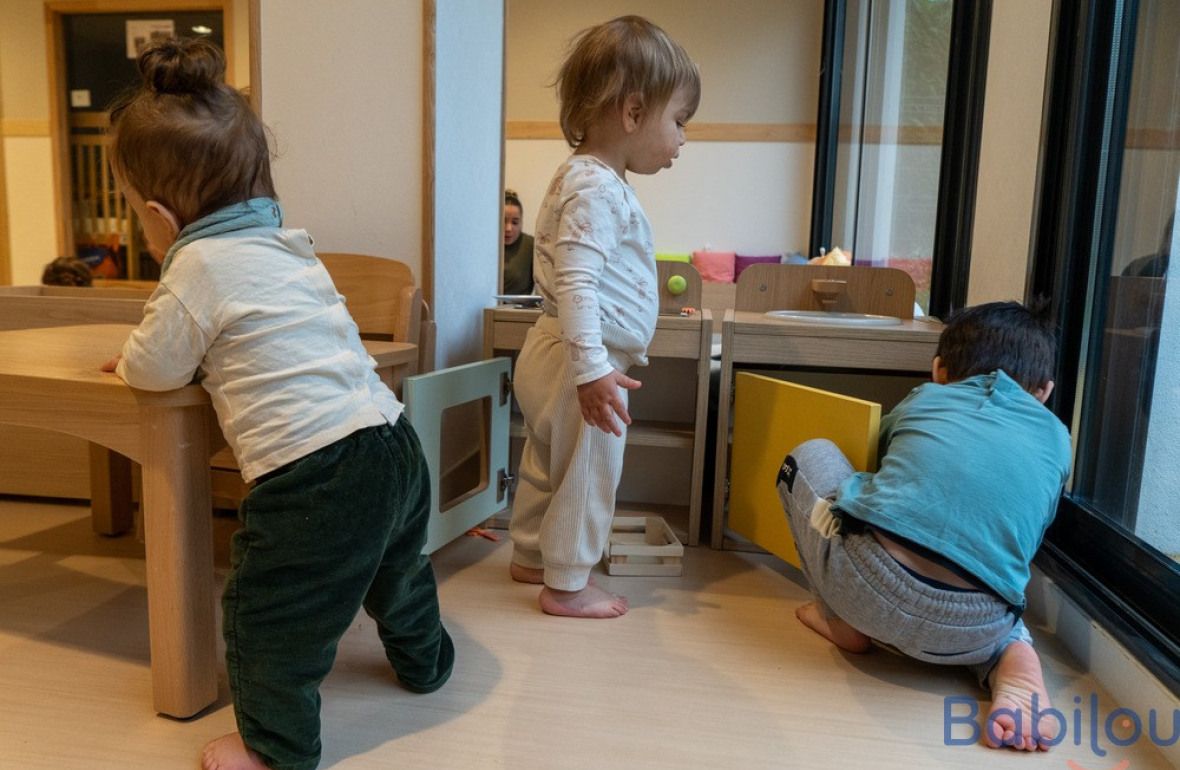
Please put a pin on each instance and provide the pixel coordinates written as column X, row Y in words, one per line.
column 341, row 87
column 22, row 61
column 24, row 129
column 759, row 62
column 756, row 56
column 1009, row 152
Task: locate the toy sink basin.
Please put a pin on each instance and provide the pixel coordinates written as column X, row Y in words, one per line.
column 833, row 318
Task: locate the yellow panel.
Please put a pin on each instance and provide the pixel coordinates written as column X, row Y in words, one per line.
column 771, row 417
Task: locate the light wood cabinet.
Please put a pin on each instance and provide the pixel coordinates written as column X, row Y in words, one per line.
column 680, row 352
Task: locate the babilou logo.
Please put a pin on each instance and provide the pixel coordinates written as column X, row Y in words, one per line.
column 1084, row 724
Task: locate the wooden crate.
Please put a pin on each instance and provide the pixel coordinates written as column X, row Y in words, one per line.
column 643, row 545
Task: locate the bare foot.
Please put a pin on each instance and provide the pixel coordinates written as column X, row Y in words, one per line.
column 590, row 602
column 835, row 630
column 229, row 753
column 1018, row 688
column 523, row 574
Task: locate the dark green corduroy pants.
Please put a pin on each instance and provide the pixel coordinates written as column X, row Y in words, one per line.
column 333, row 531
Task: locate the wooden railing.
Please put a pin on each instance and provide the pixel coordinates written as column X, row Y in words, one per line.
column 100, row 214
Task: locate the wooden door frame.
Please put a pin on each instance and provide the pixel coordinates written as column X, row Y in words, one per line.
column 59, row 114
column 429, row 54
column 5, row 236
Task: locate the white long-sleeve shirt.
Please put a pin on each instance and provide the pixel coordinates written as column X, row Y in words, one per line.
column 255, row 316
column 594, row 264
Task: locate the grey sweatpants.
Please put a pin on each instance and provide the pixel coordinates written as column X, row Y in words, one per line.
column 855, row 579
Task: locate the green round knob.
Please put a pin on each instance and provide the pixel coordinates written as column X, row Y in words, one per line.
column 677, row 285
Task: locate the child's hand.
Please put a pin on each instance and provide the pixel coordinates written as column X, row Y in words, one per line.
column 601, row 403
column 109, row 366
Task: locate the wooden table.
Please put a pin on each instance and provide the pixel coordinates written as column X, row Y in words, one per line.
column 50, row 378
column 753, row 339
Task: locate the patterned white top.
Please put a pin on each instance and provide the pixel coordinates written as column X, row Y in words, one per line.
column 594, row 264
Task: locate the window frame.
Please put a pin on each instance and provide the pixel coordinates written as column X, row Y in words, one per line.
column 959, row 162
column 1130, row 588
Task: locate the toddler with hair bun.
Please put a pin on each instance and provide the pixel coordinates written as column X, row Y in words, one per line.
column 339, row 498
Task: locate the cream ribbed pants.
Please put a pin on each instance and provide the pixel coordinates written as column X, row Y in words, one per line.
column 569, row 471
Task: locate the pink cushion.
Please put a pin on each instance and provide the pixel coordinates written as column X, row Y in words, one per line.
column 714, row 265
column 741, row 262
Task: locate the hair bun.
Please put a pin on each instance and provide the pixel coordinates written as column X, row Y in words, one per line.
column 182, row 66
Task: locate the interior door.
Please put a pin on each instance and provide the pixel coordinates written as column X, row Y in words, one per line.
column 461, row 416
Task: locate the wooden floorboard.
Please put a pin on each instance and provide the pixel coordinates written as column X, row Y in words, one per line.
column 708, row 670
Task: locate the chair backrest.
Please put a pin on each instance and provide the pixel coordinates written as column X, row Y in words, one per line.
column 874, row 290
column 384, row 301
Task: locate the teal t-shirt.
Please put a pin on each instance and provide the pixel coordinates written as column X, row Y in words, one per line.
column 971, row 470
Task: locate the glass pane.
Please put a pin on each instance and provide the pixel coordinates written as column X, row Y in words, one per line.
column 892, row 102
column 1127, row 466
column 463, row 452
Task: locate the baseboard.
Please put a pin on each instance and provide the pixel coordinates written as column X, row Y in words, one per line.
column 1115, row 669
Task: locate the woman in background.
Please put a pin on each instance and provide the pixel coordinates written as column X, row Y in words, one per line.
column 518, row 248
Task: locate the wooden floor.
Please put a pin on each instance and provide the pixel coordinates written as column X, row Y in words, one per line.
column 709, row 670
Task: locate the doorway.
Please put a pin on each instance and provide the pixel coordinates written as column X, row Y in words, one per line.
column 92, row 53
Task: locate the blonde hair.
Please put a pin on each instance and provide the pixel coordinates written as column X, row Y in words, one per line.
column 184, row 137
column 610, row 61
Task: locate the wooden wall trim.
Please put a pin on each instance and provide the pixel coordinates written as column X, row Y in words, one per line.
column 58, row 130
column 429, row 53
column 17, row 127
column 5, row 238
column 254, row 20
column 1137, row 139
column 774, row 133
column 696, row 132
column 132, row 6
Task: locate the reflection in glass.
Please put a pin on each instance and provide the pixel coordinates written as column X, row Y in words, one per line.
column 892, row 101
column 1129, row 426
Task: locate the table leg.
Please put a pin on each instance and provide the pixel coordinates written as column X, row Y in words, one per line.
column 110, row 492
column 179, row 542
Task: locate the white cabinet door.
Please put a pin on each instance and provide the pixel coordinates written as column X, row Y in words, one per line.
column 461, row 417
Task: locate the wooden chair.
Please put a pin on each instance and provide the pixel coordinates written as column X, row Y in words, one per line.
column 872, row 290
column 385, row 303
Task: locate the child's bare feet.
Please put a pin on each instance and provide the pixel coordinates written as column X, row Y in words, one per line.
column 526, row 574
column 590, row 602
column 1016, row 681
column 835, row 630
column 229, row 753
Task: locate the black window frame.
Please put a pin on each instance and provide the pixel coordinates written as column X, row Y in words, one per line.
column 1130, row 588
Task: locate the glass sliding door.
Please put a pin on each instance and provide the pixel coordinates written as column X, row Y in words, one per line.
column 1105, row 232
column 1128, row 466
column 892, row 101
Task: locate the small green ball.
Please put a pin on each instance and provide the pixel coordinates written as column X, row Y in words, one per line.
column 677, row 285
